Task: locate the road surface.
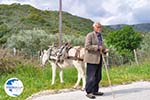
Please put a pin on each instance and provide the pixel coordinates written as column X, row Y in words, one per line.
column 133, row 91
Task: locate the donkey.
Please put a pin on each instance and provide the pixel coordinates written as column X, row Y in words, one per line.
column 50, row 56
column 66, row 56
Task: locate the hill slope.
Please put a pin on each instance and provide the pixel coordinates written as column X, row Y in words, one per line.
column 27, row 17
column 16, row 17
column 145, row 27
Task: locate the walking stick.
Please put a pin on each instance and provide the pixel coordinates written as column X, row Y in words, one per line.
column 106, row 67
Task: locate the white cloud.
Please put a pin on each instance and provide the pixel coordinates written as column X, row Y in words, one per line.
column 75, row 7
column 106, row 11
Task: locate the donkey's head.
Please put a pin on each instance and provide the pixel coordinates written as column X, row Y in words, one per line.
column 48, row 54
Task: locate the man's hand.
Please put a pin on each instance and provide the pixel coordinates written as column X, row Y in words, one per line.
column 105, row 51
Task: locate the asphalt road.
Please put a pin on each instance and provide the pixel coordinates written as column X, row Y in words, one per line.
column 134, row 91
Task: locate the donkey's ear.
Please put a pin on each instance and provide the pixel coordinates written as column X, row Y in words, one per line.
column 66, row 43
column 53, row 44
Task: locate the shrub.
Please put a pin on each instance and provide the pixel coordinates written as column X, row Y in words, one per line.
column 6, row 63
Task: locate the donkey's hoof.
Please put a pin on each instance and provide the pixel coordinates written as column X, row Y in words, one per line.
column 77, row 87
column 62, row 82
column 82, row 89
column 52, row 83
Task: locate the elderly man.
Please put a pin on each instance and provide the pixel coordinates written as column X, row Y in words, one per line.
column 93, row 57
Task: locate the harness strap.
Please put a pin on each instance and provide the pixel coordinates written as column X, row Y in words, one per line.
column 74, row 58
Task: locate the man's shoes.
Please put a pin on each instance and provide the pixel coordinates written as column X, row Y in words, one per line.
column 90, row 95
column 98, row 93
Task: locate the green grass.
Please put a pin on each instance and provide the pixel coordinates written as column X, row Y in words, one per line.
column 36, row 79
column 128, row 74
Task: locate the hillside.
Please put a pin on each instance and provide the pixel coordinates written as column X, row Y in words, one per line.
column 17, row 16
column 142, row 27
column 145, row 27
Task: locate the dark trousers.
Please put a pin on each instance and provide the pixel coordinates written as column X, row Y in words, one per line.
column 93, row 77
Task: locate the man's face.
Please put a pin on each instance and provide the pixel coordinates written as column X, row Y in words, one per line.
column 98, row 28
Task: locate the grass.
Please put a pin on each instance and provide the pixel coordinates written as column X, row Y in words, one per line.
column 128, row 74
column 36, row 79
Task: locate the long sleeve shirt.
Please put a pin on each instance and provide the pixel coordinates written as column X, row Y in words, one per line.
column 100, row 41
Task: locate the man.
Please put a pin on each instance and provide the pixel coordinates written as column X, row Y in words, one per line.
column 93, row 57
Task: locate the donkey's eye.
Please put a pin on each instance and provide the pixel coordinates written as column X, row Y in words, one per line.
column 60, row 54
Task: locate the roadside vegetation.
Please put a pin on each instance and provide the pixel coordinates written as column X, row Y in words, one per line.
column 36, row 79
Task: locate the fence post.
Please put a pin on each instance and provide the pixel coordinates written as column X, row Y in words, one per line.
column 14, row 51
column 135, row 55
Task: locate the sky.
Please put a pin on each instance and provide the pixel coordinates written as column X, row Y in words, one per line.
column 108, row 12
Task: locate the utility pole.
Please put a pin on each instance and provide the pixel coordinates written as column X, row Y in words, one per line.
column 60, row 23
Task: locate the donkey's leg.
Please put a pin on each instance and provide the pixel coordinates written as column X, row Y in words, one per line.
column 78, row 80
column 78, row 67
column 60, row 73
column 83, row 75
column 61, row 76
column 54, row 66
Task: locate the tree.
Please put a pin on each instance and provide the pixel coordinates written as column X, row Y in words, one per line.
column 3, row 30
column 145, row 45
column 124, row 41
column 30, row 41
